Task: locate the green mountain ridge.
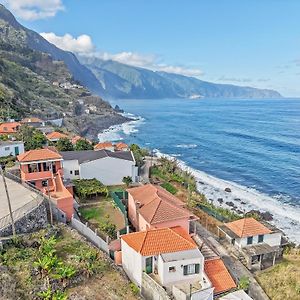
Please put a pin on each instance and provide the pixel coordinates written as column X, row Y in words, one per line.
column 125, row 81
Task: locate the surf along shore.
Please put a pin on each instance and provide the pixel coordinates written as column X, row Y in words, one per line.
column 221, row 193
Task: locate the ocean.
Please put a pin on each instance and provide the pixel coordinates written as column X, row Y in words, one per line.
column 252, row 145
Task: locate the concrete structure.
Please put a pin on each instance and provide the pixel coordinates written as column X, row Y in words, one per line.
column 108, row 167
column 169, row 256
column 255, row 241
column 151, row 206
column 12, row 148
column 237, row 295
column 43, row 169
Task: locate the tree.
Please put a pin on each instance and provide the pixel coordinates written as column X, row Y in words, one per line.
column 64, row 144
column 138, row 154
column 32, row 138
column 244, row 283
column 83, row 145
column 127, row 180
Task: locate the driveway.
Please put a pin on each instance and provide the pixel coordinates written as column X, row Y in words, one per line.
column 235, row 267
column 19, row 196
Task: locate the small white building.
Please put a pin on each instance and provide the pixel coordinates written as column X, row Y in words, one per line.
column 257, row 242
column 13, row 148
column 170, row 257
column 237, row 295
column 108, row 167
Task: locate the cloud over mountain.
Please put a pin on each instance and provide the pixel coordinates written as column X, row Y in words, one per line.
column 34, row 9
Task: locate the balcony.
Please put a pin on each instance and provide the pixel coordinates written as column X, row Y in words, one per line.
column 36, row 176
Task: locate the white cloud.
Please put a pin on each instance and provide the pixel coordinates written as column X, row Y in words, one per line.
column 151, row 62
column 34, row 9
column 81, row 44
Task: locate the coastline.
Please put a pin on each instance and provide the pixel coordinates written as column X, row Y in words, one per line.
column 244, row 199
column 241, row 198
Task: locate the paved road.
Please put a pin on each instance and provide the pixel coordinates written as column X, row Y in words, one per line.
column 19, row 196
column 235, row 267
column 145, row 169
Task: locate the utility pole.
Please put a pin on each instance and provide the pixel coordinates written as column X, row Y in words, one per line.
column 50, row 206
column 9, row 204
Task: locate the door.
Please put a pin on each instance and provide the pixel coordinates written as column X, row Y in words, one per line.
column 149, row 263
column 17, row 151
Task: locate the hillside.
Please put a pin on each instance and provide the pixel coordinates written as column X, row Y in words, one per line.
column 29, row 85
column 124, row 81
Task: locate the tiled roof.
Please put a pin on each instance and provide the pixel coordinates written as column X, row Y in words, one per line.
column 157, row 205
column 40, row 154
column 56, row 135
column 9, row 127
column 104, row 145
column 162, row 240
column 218, row 275
column 76, row 138
column 121, row 146
column 247, row 227
column 32, row 120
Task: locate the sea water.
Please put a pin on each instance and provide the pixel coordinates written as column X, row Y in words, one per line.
column 252, row 144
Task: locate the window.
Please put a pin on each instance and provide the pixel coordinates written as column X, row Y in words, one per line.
column 172, row 269
column 45, row 183
column 71, row 172
column 249, row 240
column 191, row 269
column 6, row 148
column 260, row 238
column 76, row 172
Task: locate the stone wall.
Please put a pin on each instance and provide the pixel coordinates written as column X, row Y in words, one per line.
column 151, row 290
column 32, row 221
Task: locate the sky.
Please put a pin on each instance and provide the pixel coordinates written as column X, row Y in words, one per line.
column 243, row 42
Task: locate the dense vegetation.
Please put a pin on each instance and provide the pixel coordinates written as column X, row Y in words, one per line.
column 52, row 264
column 89, row 188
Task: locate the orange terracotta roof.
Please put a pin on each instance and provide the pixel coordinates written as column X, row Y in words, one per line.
column 247, row 227
column 121, row 146
column 157, row 205
column 56, row 135
column 10, row 127
column 103, row 145
column 40, row 154
column 156, row 241
column 76, row 138
column 32, row 120
column 219, row 275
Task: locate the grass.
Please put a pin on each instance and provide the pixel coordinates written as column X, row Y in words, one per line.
column 170, row 188
column 283, row 280
column 105, row 282
column 102, row 212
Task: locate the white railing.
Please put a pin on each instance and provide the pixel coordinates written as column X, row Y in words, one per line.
column 92, row 236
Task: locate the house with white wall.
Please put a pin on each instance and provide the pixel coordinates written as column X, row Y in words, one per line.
column 108, row 167
column 258, row 242
column 170, row 257
column 13, row 148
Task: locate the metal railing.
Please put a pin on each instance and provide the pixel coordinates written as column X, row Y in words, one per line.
column 58, row 214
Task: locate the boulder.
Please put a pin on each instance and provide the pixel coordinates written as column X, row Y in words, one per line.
column 228, row 190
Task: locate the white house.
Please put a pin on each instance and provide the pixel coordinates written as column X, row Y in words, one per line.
column 170, row 257
column 13, row 148
column 108, row 167
column 237, row 295
column 255, row 240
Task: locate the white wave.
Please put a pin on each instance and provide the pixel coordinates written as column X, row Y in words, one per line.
column 118, row 132
column 187, row 146
column 285, row 216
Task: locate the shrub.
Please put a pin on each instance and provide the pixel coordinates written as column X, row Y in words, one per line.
column 135, row 290
column 169, row 187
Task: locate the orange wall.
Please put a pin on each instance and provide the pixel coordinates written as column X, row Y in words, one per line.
column 132, row 211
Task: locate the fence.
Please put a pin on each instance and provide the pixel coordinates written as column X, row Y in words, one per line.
column 20, row 212
column 117, row 197
column 90, row 235
column 58, row 214
column 212, row 213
